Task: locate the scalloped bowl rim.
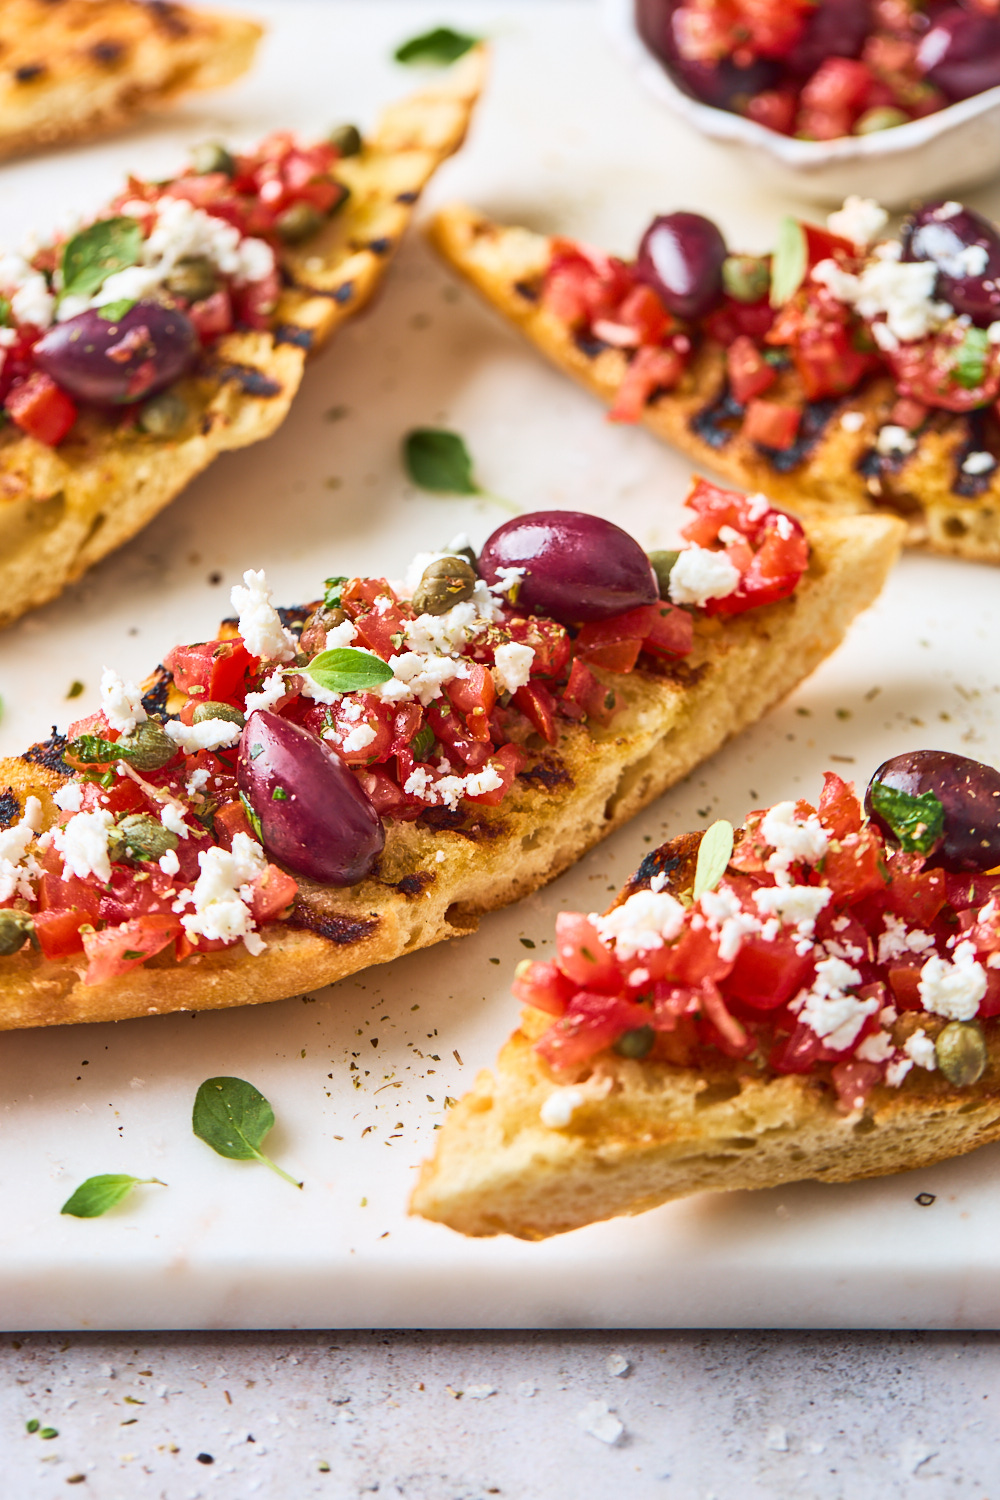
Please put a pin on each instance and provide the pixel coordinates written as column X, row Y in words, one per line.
column 722, row 125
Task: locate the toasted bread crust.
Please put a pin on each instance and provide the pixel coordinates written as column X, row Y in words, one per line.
column 83, row 68
column 63, row 509
column 831, row 469
column 563, row 804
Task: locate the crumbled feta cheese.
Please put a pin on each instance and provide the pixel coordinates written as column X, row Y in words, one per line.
column 797, row 905
column 512, row 667
column 16, row 865
column 901, row 290
column 792, row 839
column 993, row 333
column 420, row 676
column 953, row 989
column 727, row 919
column 222, row 892
column 897, row 1071
column 507, row 582
column 173, row 820
column 169, row 863
column 978, row 463
column 341, row 635
column 642, row 923
column 557, row 1110
column 828, row 1009
column 209, row 734
column 83, row 844
column 69, row 798
column 700, row 574
column 879, row 1047
column 359, row 738
column 272, row 689
column 445, row 634
column 861, row 220
column 33, row 302
column 920, row 1048
column 894, row 440
column 198, row 781
column 121, row 702
column 897, row 940
column 260, row 624
column 448, row 791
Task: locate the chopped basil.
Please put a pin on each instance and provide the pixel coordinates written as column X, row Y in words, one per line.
column 91, row 256
column 788, row 265
column 95, row 1196
column 347, row 670
column 437, row 48
column 279, row 794
column 4, row 311
column 439, row 461
column 233, row 1117
column 332, row 590
column 970, row 358
column 422, row 742
column 714, row 854
column 112, row 311
column 75, row 689
column 252, row 817
column 916, row 821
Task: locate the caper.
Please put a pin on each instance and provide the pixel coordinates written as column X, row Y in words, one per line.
column 346, row 139
column 448, row 581
column 637, row 1043
column 16, row 927
column 298, row 223
column 163, row 415
column 662, row 563
column 961, row 1053
column 212, row 156
column 746, row 277
column 211, row 710
column 882, row 117
column 193, row 278
column 145, row 837
column 322, row 619
column 147, row 747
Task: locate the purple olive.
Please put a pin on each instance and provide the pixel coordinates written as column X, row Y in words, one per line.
column 723, row 84
column 314, row 817
column 111, row 362
column 965, row 247
column 968, row 791
column 680, row 257
column 835, row 28
column 961, row 53
column 577, row 567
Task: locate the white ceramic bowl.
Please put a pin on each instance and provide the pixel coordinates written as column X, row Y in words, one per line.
column 958, row 147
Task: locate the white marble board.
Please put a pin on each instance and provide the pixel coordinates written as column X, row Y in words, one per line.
column 563, row 140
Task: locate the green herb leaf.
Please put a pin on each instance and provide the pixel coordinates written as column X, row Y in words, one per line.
column 916, row 821
column 75, row 689
column 422, row 742
column 970, row 358
column 252, row 817
column 436, row 48
column 233, row 1118
column 788, row 265
column 32, row 1424
column 95, row 1196
column 4, row 311
column 347, row 670
column 332, row 590
column 439, row 461
column 112, row 311
column 714, row 854
column 91, row 256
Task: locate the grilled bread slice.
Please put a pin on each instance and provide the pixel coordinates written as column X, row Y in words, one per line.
column 438, row 875
column 830, row 468
column 63, row 509
column 83, row 68
column 643, row 1133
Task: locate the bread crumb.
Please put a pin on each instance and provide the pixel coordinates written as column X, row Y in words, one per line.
column 600, row 1422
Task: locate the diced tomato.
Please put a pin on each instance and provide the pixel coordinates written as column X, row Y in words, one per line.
column 584, row 691
column 583, row 284
column 615, row 643
column 376, row 716
column 219, row 671
column 854, row 1082
column 772, row 424
column 272, row 893
column 41, row 408
column 126, row 898
column 506, row 761
column 116, row 950
column 915, row 894
column 839, row 809
column 58, row 931
column 582, row 956
column 927, row 370
column 732, row 320
column 69, row 893
column 359, row 595
column 254, row 302
column 549, row 641
column 727, row 1033
column 229, row 820
column 693, row 958
column 382, row 631
column 671, row 631
column 833, row 98
column 769, row 574
column 855, row 867
column 213, row 316
column 92, row 724
column 474, row 697
column 544, row 986
column 774, row 109
column 591, row 1023
column 452, row 733
column 801, row 1051
column 386, row 793
column 649, row 370
column 904, row 981
column 640, row 319
column 538, row 706
column 908, row 413
column 766, row 975
column 749, row 373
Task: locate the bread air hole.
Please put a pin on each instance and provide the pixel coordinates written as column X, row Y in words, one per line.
column 717, row 1093
column 634, row 778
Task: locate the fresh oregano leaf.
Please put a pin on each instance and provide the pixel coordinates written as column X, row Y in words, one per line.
column 112, row 311
column 970, row 358
column 714, row 854
column 917, row 820
column 422, row 742
column 91, row 256
column 332, row 590
column 439, row 461
column 252, row 818
column 788, row 265
column 437, row 48
column 95, row 1196
column 347, row 670
column 233, row 1117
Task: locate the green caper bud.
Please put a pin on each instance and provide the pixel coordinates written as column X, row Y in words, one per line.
column 147, row 747
column 16, row 927
column 746, row 277
column 298, row 223
column 346, row 139
column 882, row 117
column 662, row 564
column 145, row 837
column 193, row 278
column 961, row 1053
column 448, row 581
column 164, row 415
column 637, row 1043
column 211, row 710
column 322, row 619
column 212, row 156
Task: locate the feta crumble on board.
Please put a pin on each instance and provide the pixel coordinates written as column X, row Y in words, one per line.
column 512, row 666
column 978, row 463
column 600, row 1422
column 259, row 622
column 891, row 440
column 700, row 574
column 902, row 291
column 558, row 1109
column 792, row 839
column 852, row 421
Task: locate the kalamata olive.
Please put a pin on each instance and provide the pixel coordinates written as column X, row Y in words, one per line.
column 961, row 52
column 835, row 28
column 966, row 249
column 680, row 257
column 576, row 567
column 313, row 815
column 113, row 362
column 447, row 581
column 723, row 84
column 969, row 793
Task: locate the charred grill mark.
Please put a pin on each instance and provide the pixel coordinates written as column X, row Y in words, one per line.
column 680, row 672
column 28, row 72
column 442, row 819
column 291, row 333
column 169, row 17
column 718, row 422
column 295, row 616
column 154, row 701
column 333, row 926
column 415, row 884
column 660, row 862
column 48, row 753
column 589, row 346
column 107, row 53
column 981, row 436
column 252, row 382
column 815, row 420
column 529, row 290
column 10, row 808
column 339, row 294
column 380, row 246
column 410, row 196
column 549, row 773
column 676, row 860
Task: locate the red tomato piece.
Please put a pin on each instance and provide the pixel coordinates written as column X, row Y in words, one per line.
column 229, row 820
column 727, row 1033
column 582, row 956
column 927, row 371
column 855, row 868
column 452, row 733
column 549, row 641
column 41, row 408
column 732, row 320
column 767, row 975
column 215, row 670
column 507, row 761
column 839, row 809
column 376, row 716
column 772, row 424
column 474, row 697
column 544, row 986
column 213, row 316
column 915, row 894
column 58, row 931
column 586, row 692
column 854, row 1082
column 386, row 793
column 649, row 371
column 749, row 373
column 273, row 893
column 254, row 302
column 904, row 981
column 774, row 109
column 591, row 1023
column 116, row 950
column 538, row 706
